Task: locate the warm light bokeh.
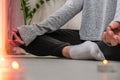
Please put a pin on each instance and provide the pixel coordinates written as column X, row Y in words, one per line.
column 15, row 65
column 3, row 27
column 3, row 37
column 8, row 67
column 105, row 62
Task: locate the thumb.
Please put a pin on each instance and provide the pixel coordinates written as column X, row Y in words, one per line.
column 114, row 25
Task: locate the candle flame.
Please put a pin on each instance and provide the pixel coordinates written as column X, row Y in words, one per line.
column 2, row 62
column 15, row 65
column 2, row 59
column 105, row 62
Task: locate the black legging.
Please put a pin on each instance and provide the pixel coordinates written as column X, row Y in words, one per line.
column 53, row 43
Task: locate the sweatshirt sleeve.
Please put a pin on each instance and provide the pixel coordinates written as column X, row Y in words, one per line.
column 117, row 14
column 29, row 32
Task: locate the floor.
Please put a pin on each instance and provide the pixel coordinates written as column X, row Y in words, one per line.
column 52, row 68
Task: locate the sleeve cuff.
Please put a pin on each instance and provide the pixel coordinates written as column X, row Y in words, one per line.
column 108, row 44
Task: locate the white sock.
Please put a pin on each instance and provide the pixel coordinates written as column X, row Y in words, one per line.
column 86, row 50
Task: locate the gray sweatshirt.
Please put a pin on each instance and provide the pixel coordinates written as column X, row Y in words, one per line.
column 96, row 15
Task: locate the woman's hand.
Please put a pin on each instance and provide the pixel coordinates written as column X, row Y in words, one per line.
column 112, row 34
column 16, row 41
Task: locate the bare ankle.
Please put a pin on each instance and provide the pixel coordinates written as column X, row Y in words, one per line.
column 66, row 51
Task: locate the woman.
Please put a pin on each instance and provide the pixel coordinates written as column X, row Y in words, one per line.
column 46, row 38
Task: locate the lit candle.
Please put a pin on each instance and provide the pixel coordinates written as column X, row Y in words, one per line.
column 11, row 70
column 105, row 66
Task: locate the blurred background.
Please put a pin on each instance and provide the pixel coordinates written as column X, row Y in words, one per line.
column 49, row 7
column 16, row 16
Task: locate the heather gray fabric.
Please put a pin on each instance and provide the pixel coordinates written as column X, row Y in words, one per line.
column 86, row 50
column 97, row 14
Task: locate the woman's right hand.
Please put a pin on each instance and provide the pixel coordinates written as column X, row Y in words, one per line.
column 16, row 41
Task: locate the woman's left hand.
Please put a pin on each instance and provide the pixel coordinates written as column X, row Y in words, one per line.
column 112, row 34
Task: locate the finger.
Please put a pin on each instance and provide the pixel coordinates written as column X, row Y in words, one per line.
column 20, row 42
column 107, row 40
column 108, row 29
column 15, row 43
column 108, row 37
column 118, row 37
column 113, row 25
column 12, row 43
column 15, row 35
column 104, row 37
column 113, row 40
column 15, row 30
column 115, row 37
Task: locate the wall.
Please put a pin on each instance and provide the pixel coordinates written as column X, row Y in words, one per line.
column 16, row 17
